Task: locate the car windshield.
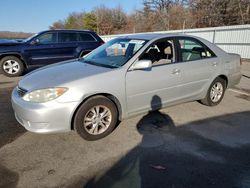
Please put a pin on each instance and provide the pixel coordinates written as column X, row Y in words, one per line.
column 114, row 53
column 32, row 36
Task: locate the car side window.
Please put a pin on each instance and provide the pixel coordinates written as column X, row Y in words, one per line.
column 191, row 50
column 160, row 53
column 47, row 38
column 85, row 37
column 67, row 37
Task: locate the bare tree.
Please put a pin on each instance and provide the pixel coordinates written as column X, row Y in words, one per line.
column 159, row 15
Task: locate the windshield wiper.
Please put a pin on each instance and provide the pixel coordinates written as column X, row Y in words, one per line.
column 99, row 64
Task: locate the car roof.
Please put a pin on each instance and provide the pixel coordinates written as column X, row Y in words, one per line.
column 69, row 30
column 151, row 36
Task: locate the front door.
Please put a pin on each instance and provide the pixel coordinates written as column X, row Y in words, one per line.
column 152, row 89
column 43, row 50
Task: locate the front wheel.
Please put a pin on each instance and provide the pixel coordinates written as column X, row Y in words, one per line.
column 11, row 66
column 215, row 92
column 96, row 118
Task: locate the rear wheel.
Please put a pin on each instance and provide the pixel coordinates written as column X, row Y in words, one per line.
column 96, row 118
column 215, row 92
column 11, row 66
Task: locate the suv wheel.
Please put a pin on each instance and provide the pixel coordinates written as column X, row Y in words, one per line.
column 11, row 66
column 215, row 92
column 96, row 118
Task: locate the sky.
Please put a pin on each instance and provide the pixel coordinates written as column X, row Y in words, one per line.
column 37, row 15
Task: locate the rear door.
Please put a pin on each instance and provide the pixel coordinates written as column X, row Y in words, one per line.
column 68, row 43
column 197, row 64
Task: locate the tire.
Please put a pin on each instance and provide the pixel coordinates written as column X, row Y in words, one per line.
column 91, row 126
column 11, row 66
column 217, row 87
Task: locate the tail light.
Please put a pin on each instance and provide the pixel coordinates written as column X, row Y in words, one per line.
column 241, row 62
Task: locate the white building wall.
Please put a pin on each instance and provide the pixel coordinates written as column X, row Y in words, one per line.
column 232, row 39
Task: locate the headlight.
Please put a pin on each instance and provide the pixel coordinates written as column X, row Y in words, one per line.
column 44, row 95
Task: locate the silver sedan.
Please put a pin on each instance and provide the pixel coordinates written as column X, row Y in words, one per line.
column 122, row 78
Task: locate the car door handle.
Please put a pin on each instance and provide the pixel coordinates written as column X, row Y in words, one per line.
column 176, row 71
column 214, row 64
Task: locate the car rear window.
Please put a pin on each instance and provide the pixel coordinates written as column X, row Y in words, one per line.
column 193, row 50
column 67, row 37
column 85, row 37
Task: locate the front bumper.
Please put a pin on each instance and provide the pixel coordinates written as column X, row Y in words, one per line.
column 49, row 117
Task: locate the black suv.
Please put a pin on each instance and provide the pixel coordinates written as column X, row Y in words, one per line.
column 45, row 48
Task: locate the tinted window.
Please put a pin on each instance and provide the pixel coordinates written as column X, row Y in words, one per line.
column 67, row 37
column 47, row 38
column 85, row 37
column 191, row 50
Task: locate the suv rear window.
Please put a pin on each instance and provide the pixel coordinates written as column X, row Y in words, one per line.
column 85, row 37
column 67, row 37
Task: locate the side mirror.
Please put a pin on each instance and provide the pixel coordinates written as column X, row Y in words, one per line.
column 36, row 41
column 142, row 65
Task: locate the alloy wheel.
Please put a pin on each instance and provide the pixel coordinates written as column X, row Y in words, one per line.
column 216, row 92
column 11, row 66
column 97, row 120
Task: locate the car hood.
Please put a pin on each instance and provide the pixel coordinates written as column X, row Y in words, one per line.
column 6, row 42
column 60, row 74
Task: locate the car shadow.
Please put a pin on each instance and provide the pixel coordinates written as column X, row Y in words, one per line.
column 10, row 129
column 8, row 177
column 213, row 152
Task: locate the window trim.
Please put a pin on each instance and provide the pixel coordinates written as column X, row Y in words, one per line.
column 194, row 40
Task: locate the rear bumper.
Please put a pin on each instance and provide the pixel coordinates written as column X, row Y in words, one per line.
column 48, row 117
column 234, row 79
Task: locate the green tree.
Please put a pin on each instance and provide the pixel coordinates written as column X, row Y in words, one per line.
column 90, row 21
column 119, row 18
column 75, row 21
